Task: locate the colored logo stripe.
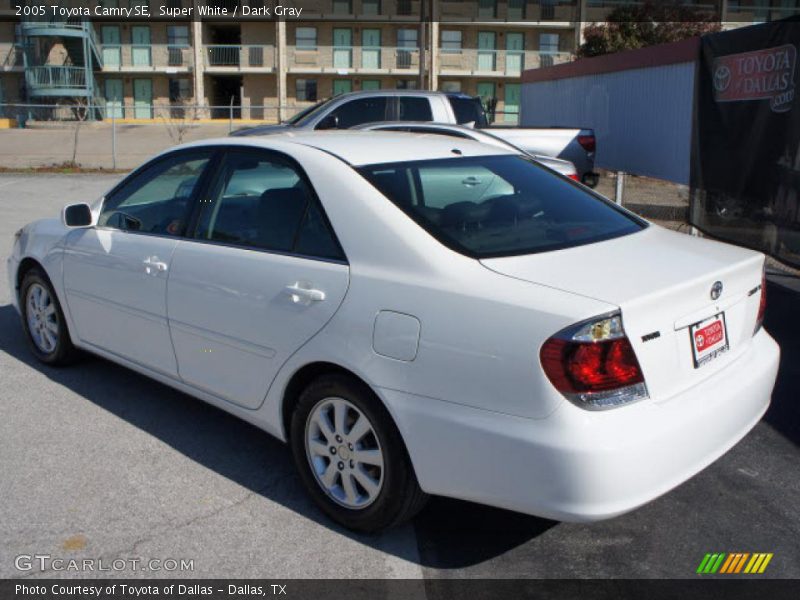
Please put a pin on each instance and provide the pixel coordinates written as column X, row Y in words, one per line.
column 721, row 562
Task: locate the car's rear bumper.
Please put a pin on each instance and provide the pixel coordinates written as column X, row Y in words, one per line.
column 577, row 465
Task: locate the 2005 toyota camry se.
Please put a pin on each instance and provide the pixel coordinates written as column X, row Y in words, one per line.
column 415, row 315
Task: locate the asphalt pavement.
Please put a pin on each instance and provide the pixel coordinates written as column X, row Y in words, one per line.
column 99, row 462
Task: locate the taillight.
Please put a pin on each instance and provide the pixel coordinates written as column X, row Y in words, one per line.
column 587, row 142
column 762, row 304
column 593, row 364
column 574, row 176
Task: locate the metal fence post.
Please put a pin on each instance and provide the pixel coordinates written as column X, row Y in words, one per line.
column 114, row 140
column 620, row 190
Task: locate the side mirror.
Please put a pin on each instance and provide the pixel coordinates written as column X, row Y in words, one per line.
column 77, row 215
column 329, row 122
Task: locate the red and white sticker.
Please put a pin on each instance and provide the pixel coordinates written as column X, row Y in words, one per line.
column 709, row 339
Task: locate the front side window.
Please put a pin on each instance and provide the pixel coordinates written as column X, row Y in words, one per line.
column 498, row 205
column 356, row 112
column 260, row 200
column 157, row 199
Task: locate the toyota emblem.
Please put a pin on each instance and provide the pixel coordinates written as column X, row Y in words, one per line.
column 716, row 290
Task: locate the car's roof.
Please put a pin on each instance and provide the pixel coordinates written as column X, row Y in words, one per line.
column 360, row 148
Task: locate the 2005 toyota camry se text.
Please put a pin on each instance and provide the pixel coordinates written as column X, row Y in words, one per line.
column 414, row 315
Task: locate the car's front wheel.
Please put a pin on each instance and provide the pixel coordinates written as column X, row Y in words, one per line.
column 43, row 321
column 351, row 457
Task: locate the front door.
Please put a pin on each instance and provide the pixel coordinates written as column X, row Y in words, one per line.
column 112, row 48
column 142, row 99
column 115, row 274
column 371, row 48
column 113, row 92
column 342, row 86
column 342, row 48
column 140, row 46
column 515, row 53
column 486, row 51
column 263, row 275
column 511, row 107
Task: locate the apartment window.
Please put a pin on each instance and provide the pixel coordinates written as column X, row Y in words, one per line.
column 306, row 90
column 306, row 38
column 451, row 42
column 450, row 86
column 548, row 48
column 406, row 42
column 407, row 84
column 403, row 7
column 487, row 9
column 371, row 7
column 177, row 40
column 180, row 95
column 516, row 10
column 342, row 7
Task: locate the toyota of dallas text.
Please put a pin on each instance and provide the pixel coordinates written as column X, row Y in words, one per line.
column 414, row 315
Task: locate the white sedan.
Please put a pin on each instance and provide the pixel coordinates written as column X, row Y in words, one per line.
column 414, row 315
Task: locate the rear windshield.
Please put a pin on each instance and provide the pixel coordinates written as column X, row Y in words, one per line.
column 468, row 110
column 489, row 206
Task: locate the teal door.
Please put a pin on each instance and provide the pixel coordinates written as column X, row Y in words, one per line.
column 486, row 51
column 342, row 48
column 342, row 86
column 370, row 84
column 511, row 109
column 113, row 93
column 142, row 99
column 515, row 53
column 371, row 48
column 140, row 46
column 112, row 47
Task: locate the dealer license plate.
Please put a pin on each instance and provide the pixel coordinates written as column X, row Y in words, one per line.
column 709, row 339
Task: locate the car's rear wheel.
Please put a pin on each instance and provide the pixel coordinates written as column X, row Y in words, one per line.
column 351, row 457
column 43, row 321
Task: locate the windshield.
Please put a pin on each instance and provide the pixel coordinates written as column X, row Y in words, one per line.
column 506, row 205
column 295, row 120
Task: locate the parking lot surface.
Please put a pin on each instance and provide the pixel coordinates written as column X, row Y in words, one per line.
column 99, row 462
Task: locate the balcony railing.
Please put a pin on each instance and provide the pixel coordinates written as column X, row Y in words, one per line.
column 50, row 76
column 510, row 63
column 152, row 57
column 360, row 59
column 247, row 56
column 525, row 10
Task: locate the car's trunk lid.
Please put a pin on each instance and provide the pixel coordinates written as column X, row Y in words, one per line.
column 662, row 281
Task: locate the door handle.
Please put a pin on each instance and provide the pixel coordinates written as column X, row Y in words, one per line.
column 153, row 266
column 470, row 181
column 301, row 293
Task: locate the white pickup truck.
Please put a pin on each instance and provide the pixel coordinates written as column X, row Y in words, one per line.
column 356, row 108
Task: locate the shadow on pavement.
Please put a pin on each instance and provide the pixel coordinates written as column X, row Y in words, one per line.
column 455, row 534
column 782, row 321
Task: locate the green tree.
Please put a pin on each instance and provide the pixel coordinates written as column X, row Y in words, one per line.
column 646, row 24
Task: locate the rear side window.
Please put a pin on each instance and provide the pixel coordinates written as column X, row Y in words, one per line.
column 415, row 109
column 362, row 110
column 260, row 201
column 468, row 110
column 498, row 205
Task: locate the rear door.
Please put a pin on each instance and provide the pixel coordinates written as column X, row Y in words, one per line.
column 262, row 274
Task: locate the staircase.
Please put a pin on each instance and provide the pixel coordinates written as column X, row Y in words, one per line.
column 66, row 81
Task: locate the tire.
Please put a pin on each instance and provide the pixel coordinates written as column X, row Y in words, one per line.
column 43, row 321
column 382, row 491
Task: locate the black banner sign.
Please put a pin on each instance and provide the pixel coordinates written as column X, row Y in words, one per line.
column 745, row 173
